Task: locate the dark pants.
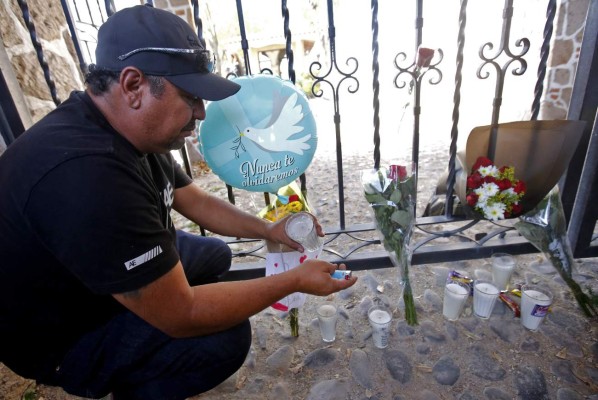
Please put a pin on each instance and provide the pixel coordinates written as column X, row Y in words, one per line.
column 133, row 360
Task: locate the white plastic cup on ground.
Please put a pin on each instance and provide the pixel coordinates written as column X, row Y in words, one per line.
column 484, row 298
column 535, row 301
column 327, row 317
column 502, row 268
column 455, row 296
column 301, row 228
column 380, row 318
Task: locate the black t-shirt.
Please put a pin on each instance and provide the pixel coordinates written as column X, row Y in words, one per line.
column 83, row 215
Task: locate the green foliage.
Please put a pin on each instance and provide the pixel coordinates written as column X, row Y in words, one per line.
column 394, row 212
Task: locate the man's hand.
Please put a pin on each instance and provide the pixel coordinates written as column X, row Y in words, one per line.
column 276, row 233
column 313, row 277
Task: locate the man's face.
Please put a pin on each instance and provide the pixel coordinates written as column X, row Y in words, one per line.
column 171, row 117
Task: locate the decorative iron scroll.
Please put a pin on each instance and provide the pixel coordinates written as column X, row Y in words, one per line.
column 501, row 71
column 314, row 69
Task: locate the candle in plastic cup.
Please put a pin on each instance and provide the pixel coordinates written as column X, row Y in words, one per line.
column 535, row 301
column 327, row 319
column 380, row 318
column 301, row 228
column 502, row 268
column 455, row 296
column 484, row 298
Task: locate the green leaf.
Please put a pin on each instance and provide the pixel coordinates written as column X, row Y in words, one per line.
column 402, row 217
column 396, row 196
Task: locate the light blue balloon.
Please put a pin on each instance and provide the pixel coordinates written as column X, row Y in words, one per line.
column 262, row 138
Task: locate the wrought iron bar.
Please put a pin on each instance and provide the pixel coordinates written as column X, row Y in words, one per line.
column 244, row 42
column 316, row 67
column 376, row 83
column 38, row 50
column 544, row 51
column 291, row 72
column 110, row 8
column 504, row 47
column 74, row 36
column 288, row 41
column 198, row 22
column 579, row 224
column 450, row 180
column 416, row 76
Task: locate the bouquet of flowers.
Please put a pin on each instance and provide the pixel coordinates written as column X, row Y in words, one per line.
column 391, row 193
column 545, row 227
column 279, row 258
column 494, row 192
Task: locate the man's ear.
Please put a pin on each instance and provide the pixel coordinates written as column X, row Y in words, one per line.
column 131, row 83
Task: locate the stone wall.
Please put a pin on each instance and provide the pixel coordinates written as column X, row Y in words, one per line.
column 53, row 34
column 568, row 35
column 54, row 37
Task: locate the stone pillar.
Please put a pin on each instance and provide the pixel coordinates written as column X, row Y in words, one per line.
column 568, row 34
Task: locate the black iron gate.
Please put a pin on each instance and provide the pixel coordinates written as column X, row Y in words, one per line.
column 360, row 245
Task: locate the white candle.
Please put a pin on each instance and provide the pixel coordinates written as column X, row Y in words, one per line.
column 534, row 306
column 455, row 297
column 380, row 322
column 484, row 297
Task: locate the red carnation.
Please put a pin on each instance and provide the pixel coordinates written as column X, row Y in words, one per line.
column 472, row 199
column 490, row 179
column 481, row 162
column 474, row 181
column 516, row 209
column 519, row 187
column 293, row 197
column 503, row 184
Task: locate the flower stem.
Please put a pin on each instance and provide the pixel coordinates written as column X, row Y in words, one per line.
column 294, row 318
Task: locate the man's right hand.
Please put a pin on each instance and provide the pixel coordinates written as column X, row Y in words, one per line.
column 313, row 277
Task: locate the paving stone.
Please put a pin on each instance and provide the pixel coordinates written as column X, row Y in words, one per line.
column 404, row 329
column 361, row 368
column 320, row 358
column 433, row 299
column 530, row 383
column 484, row 366
column 281, row 359
column 529, row 344
column 445, row 371
column 398, row 365
column 330, row 390
column 494, row 393
column 563, row 369
column 507, row 330
column 431, row 333
column 451, row 330
column 568, row 394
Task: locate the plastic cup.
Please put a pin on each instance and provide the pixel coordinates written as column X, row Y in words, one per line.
column 301, row 228
column 484, row 298
column 455, row 296
column 380, row 319
column 327, row 316
column 502, row 268
column 535, row 301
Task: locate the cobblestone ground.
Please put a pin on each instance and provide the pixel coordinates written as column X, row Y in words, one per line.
column 437, row 359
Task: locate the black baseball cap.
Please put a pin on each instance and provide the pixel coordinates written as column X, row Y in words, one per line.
column 160, row 43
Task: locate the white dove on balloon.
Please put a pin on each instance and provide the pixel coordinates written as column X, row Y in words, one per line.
column 276, row 135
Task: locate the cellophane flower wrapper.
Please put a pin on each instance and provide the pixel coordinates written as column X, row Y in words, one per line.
column 391, row 194
column 545, row 227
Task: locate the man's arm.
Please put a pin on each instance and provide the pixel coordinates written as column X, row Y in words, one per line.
column 177, row 309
